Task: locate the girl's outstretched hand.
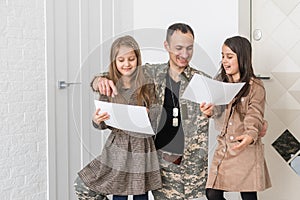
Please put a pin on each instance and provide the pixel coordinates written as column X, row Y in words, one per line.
column 100, row 117
column 244, row 140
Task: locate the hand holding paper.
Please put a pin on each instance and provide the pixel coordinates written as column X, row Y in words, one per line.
column 203, row 89
column 207, row 109
column 126, row 117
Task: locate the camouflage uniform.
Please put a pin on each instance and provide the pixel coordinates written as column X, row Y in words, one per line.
column 85, row 193
column 187, row 180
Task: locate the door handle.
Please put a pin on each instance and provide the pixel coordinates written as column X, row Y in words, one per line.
column 64, row 84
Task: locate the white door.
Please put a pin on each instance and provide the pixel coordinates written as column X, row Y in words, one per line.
column 79, row 35
column 276, row 47
column 74, row 31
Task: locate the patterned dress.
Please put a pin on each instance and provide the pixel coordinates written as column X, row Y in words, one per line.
column 128, row 164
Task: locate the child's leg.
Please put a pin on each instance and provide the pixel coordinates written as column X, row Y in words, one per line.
column 213, row 194
column 85, row 193
column 249, row 195
column 141, row 197
column 118, row 197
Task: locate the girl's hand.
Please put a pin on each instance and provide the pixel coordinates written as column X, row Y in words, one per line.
column 207, row 109
column 100, row 117
column 245, row 140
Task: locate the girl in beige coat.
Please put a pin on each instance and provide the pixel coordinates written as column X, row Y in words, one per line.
column 238, row 164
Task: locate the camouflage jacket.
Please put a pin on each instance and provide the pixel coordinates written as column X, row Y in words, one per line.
column 193, row 168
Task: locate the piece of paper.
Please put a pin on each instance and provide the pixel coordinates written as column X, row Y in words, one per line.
column 126, row 117
column 203, row 89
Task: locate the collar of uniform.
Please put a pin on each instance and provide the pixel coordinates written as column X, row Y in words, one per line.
column 187, row 72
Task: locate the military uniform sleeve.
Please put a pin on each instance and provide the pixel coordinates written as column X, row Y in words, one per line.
column 94, row 82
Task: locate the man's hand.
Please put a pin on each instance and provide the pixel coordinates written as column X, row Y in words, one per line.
column 207, row 109
column 106, row 86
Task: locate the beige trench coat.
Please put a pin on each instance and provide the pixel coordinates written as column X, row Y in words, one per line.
column 241, row 170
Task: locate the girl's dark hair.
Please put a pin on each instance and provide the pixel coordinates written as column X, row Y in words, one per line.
column 242, row 47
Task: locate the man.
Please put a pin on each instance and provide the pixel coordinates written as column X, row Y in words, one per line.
column 182, row 132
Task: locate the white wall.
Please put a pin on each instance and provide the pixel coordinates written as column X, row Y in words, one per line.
column 219, row 22
column 23, row 167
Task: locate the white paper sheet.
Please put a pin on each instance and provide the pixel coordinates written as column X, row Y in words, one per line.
column 126, row 117
column 203, row 89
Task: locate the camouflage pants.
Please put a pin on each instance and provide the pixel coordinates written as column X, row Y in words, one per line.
column 85, row 193
column 172, row 182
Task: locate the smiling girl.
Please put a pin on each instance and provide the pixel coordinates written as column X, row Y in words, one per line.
column 128, row 164
column 238, row 164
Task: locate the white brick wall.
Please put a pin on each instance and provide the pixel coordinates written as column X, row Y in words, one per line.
column 23, row 163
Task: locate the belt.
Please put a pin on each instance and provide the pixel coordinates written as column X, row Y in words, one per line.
column 175, row 159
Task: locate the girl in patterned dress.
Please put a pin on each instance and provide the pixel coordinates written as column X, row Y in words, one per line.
column 128, row 164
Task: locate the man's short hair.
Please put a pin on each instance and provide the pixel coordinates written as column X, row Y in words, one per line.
column 184, row 28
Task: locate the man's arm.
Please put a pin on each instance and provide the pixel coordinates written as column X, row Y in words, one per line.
column 102, row 84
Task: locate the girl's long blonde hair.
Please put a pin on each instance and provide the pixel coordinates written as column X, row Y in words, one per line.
column 143, row 90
